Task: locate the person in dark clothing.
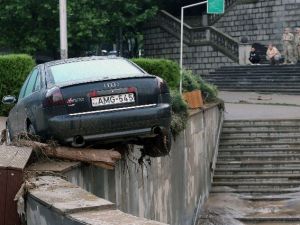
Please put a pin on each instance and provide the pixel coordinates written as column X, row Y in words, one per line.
column 254, row 56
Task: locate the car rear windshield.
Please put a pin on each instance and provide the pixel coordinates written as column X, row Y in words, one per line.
column 101, row 69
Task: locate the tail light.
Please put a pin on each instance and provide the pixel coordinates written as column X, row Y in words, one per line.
column 131, row 90
column 53, row 97
column 162, row 85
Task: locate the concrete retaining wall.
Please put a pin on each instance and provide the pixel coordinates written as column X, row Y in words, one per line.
column 169, row 189
column 54, row 201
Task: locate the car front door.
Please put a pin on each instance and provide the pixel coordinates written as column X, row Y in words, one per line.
column 24, row 107
column 14, row 123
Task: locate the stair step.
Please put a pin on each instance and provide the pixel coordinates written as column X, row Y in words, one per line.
column 251, row 155
column 256, row 163
column 258, row 178
column 259, row 157
column 262, row 90
column 259, row 169
column 254, row 191
column 258, row 184
column 261, row 123
column 258, row 150
column 286, row 219
column 270, row 134
column 270, row 144
column 266, row 198
column 260, row 130
column 220, row 81
column 255, row 137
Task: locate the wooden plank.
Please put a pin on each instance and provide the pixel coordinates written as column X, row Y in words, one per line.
column 21, row 158
column 3, row 182
column 14, row 157
column 14, row 183
column 100, row 156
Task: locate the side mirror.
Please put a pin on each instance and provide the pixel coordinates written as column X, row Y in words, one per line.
column 9, row 99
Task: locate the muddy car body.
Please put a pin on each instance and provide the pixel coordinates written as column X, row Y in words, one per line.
column 93, row 99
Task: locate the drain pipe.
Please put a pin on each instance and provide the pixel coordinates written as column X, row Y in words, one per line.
column 214, row 161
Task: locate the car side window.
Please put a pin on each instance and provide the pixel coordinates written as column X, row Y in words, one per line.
column 31, row 82
column 37, row 85
column 21, row 95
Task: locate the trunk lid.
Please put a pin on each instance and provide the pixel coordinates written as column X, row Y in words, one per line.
column 110, row 94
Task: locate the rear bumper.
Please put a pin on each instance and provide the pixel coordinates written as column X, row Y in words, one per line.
column 123, row 123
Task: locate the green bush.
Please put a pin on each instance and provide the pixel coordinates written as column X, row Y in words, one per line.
column 13, row 71
column 189, row 82
column 209, row 91
column 193, row 82
column 179, row 113
column 166, row 69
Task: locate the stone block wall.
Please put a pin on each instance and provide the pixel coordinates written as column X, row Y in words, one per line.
column 261, row 22
column 159, row 43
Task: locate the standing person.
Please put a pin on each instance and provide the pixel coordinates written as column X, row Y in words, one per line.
column 273, row 55
column 288, row 44
column 297, row 45
column 254, row 56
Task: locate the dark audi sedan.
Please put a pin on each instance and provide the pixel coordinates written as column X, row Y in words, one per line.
column 93, row 100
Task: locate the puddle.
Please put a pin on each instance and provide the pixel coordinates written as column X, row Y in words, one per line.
column 223, row 208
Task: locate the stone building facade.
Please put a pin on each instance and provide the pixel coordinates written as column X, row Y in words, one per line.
column 214, row 46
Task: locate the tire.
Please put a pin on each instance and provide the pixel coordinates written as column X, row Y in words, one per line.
column 160, row 145
column 31, row 132
column 8, row 137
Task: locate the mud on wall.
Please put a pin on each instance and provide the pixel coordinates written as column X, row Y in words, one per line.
column 169, row 189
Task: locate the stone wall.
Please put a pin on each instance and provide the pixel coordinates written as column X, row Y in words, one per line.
column 159, row 43
column 261, row 22
column 169, row 189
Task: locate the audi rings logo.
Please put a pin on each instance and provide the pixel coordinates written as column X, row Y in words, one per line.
column 111, row 85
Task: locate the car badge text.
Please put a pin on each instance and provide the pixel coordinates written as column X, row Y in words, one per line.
column 111, row 85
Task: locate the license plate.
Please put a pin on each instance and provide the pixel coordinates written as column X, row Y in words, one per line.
column 113, row 100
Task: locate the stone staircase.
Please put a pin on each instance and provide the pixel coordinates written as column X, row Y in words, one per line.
column 257, row 78
column 260, row 161
column 197, row 36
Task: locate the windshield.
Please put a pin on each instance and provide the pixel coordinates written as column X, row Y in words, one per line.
column 102, row 69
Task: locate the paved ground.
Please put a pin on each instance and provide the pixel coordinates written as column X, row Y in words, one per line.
column 251, row 105
column 256, row 111
column 221, row 209
column 256, row 98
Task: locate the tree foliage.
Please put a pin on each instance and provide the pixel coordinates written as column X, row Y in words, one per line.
column 32, row 26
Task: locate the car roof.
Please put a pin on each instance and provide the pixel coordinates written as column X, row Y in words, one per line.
column 80, row 59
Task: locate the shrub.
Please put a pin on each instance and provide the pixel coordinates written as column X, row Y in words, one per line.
column 179, row 113
column 13, row 72
column 189, row 82
column 166, row 69
column 209, row 91
column 192, row 82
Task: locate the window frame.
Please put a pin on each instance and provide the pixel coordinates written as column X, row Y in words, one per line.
column 25, row 85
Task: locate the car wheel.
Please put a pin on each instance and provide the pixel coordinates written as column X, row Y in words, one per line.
column 31, row 132
column 160, row 145
column 8, row 137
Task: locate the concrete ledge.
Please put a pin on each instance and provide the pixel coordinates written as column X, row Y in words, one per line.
column 54, row 201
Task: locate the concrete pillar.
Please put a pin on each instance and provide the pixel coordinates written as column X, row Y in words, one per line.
column 244, row 51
